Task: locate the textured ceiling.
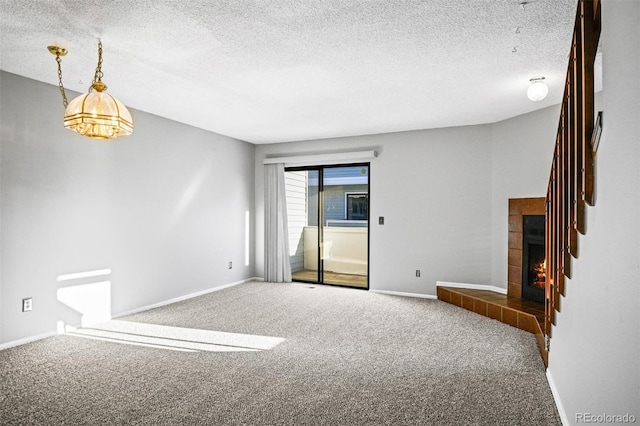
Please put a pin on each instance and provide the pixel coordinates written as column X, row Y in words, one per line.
column 282, row 70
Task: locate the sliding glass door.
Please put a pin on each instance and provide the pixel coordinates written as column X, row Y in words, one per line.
column 302, row 223
column 328, row 213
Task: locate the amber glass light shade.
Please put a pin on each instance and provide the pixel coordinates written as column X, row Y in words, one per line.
column 98, row 115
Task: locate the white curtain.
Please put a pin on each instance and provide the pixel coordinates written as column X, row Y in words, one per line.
column 276, row 251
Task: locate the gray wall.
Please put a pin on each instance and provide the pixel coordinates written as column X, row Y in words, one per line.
column 444, row 194
column 440, row 225
column 595, row 346
column 164, row 209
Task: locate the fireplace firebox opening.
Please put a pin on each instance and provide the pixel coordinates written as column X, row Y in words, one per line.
column 533, row 257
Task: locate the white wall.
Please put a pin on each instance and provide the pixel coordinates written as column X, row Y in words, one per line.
column 434, row 189
column 595, row 350
column 163, row 209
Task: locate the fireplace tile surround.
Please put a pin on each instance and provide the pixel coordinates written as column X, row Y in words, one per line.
column 519, row 207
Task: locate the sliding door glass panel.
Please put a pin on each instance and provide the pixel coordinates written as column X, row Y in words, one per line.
column 302, row 213
column 344, row 234
column 328, row 215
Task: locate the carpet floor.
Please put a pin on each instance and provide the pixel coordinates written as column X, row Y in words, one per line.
column 282, row 354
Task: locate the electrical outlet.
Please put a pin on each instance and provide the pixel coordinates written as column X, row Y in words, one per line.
column 27, row 304
column 230, row 265
column 417, row 272
column 381, row 220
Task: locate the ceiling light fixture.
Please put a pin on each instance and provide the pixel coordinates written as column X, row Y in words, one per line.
column 96, row 114
column 538, row 89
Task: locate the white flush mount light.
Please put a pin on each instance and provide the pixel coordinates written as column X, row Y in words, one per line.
column 538, row 90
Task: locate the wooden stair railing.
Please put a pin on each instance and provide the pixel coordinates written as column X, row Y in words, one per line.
column 571, row 184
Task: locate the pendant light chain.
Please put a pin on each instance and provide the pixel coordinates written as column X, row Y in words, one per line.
column 64, row 95
column 98, row 75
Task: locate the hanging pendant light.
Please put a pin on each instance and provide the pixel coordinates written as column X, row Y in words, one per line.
column 96, row 114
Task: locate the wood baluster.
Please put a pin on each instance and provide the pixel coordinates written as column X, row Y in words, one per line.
column 579, row 219
column 569, row 143
column 559, row 213
column 564, row 202
column 575, row 143
column 550, row 246
column 590, row 34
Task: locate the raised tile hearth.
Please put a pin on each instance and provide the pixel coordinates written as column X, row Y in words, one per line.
column 514, row 311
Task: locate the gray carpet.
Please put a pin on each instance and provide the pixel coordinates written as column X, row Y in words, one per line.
column 349, row 357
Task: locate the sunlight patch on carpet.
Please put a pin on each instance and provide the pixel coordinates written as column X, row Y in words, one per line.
column 175, row 338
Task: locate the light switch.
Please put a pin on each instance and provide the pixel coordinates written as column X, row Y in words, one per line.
column 381, row 220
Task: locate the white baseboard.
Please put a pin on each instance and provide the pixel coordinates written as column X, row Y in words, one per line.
column 556, row 398
column 472, row 286
column 133, row 311
column 26, row 340
column 181, row 298
column 398, row 293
